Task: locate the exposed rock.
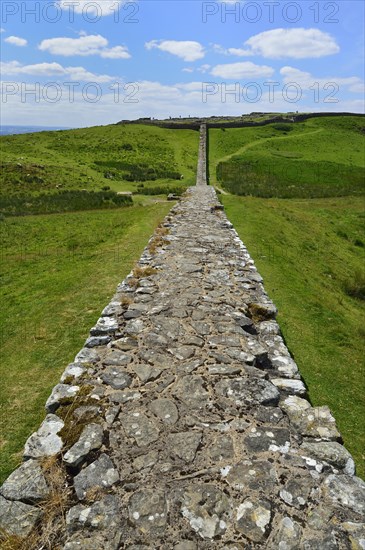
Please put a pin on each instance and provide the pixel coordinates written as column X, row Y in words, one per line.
column 45, row 442
column 148, row 510
column 100, row 473
column 16, row 518
column 165, row 410
column 140, row 428
column 248, row 391
column 287, row 536
column 103, row 515
column 253, row 519
column 345, row 490
column 105, row 325
column 331, row 452
column 207, row 509
column 184, row 445
column 26, row 483
column 60, row 393
column 146, row 372
column 291, row 386
column 116, row 357
column 75, row 370
column 116, row 377
column 91, row 439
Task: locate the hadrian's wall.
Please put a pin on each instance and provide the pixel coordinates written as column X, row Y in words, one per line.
column 183, row 422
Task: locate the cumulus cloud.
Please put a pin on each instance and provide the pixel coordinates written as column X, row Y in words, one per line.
column 95, row 8
column 187, row 50
column 245, row 69
column 13, row 68
column 306, row 80
column 297, row 43
column 16, row 41
column 85, row 45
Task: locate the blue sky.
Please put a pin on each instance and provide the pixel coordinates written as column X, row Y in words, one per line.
column 81, row 63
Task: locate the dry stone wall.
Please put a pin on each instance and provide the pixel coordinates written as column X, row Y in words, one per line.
column 183, row 422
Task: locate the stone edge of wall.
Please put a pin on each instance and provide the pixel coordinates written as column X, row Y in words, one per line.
column 22, row 494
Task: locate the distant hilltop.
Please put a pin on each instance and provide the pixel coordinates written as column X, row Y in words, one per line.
column 252, row 119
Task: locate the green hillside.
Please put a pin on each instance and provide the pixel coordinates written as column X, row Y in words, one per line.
column 321, row 157
column 83, row 168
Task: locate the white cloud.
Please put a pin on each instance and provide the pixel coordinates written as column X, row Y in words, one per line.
column 306, row 80
column 185, row 49
column 245, row 69
column 75, row 74
column 85, row 45
column 297, row 43
column 240, row 52
column 16, row 41
column 95, row 8
column 2, row 30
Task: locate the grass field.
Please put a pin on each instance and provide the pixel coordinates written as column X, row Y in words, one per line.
column 311, row 255
column 115, row 157
column 321, row 157
column 57, row 273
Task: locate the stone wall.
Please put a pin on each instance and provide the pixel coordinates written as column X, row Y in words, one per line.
column 183, row 422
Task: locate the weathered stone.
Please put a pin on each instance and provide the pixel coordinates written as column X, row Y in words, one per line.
column 221, row 449
column 296, row 491
column 224, row 369
column 148, row 510
column 45, row 442
column 95, row 540
column 184, row 445
column 345, row 490
column 311, row 422
column 186, row 545
column 124, row 344
column 75, row 370
column 101, row 515
column 332, row 452
column 105, row 325
column 207, row 509
column 146, row 461
column 146, row 373
column 118, row 396
column 116, row 358
column 356, row 533
column 16, row 518
column 99, row 474
column 140, row 428
column 111, row 414
column 87, row 355
column 90, row 439
column 191, row 390
column 165, row 410
column 60, row 393
column 267, row 439
column 96, row 341
column 253, row 519
column 116, row 377
column 291, row 386
column 182, row 352
column 249, row 392
column 252, row 474
column 286, row 536
column 285, row 365
column 26, row 483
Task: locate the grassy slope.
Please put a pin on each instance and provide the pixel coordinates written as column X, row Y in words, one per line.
column 79, row 159
column 308, row 253
column 57, row 273
column 319, row 157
